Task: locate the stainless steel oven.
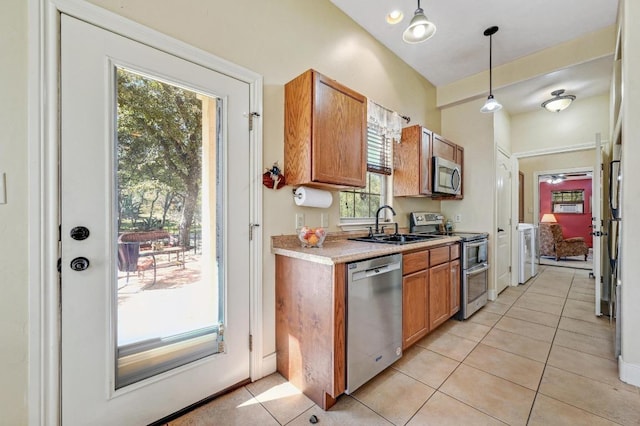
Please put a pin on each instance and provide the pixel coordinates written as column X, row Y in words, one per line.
column 475, row 274
column 474, row 251
column 474, row 261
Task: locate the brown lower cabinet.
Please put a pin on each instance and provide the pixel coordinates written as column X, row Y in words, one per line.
column 454, row 267
column 415, row 299
column 310, row 327
column 430, row 291
column 311, row 314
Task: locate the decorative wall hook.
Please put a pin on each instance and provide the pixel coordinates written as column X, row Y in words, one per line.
column 273, row 178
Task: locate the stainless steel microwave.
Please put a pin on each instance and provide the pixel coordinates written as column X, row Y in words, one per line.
column 446, row 176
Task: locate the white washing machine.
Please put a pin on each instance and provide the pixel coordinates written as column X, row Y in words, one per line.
column 527, row 262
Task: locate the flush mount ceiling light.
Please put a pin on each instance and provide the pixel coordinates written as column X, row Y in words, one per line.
column 491, row 105
column 419, row 29
column 394, row 17
column 558, row 102
column 555, row 179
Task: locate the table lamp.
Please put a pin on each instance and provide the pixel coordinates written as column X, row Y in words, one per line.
column 548, row 218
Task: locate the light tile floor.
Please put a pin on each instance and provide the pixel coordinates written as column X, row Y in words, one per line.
column 535, row 356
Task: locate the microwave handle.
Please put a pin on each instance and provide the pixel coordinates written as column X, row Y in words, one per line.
column 456, row 188
column 475, row 244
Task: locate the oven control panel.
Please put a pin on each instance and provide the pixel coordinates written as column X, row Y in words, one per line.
column 424, row 218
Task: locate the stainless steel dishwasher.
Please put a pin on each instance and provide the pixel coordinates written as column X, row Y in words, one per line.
column 374, row 317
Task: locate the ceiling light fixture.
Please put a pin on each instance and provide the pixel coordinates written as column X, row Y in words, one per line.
column 555, row 179
column 491, row 105
column 394, row 17
column 558, row 102
column 419, row 29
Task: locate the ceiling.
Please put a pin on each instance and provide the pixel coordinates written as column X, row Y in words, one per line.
column 459, row 49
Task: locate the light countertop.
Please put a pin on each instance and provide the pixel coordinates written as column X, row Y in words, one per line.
column 338, row 249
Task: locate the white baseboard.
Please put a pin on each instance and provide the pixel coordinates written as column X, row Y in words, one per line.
column 629, row 373
column 269, row 365
column 492, row 295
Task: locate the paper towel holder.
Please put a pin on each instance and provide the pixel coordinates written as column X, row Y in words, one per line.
column 312, row 197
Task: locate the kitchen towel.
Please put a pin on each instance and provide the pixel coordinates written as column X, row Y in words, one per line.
column 310, row 197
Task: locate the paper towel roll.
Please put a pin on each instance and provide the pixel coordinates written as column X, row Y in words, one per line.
column 310, row 197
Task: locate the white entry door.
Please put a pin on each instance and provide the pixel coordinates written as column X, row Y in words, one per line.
column 503, row 231
column 155, row 210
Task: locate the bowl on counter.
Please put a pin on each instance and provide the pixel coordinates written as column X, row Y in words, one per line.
column 311, row 237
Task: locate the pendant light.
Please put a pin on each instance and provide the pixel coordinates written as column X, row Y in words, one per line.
column 558, row 102
column 419, row 29
column 491, row 105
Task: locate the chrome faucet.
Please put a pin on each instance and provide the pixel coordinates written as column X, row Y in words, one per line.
column 378, row 213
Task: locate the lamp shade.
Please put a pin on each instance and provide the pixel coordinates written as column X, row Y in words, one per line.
column 491, row 105
column 548, row 218
column 419, row 29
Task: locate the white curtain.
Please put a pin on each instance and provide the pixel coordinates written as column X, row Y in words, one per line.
column 383, row 121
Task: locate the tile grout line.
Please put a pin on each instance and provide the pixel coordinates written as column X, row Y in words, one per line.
column 546, row 362
column 466, row 356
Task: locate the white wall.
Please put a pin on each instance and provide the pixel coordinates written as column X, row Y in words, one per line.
column 577, row 125
column 502, row 130
column 467, row 126
column 13, row 214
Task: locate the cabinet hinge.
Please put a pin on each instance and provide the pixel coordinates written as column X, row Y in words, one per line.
column 509, row 268
column 251, row 117
column 250, row 343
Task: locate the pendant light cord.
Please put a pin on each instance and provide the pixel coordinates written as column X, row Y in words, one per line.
column 490, row 67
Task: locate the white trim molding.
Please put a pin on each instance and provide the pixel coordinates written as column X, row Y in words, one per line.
column 558, row 150
column 269, row 364
column 629, row 373
column 43, row 143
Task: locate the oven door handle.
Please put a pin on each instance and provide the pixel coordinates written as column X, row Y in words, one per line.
column 477, row 269
column 467, row 245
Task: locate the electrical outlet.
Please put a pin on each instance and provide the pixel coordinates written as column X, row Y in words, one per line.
column 324, row 220
column 299, row 220
column 457, row 218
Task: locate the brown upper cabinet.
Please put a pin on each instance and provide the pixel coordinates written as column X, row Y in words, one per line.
column 413, row 162
column 325, row 127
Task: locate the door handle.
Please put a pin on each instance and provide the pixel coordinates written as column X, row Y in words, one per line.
column 79, row 264
column 500, row 230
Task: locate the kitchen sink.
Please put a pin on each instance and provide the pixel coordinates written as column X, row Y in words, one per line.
column 396, row 238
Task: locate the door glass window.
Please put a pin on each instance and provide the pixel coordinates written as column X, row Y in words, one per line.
column 168, row 217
